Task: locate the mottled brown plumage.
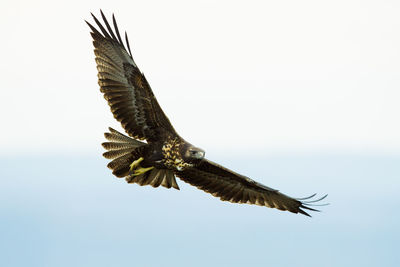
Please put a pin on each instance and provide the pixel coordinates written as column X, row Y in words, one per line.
column 165, row 154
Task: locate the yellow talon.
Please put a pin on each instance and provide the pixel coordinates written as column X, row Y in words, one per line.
column 137, row 169
column 135, row 164
column 142, row 170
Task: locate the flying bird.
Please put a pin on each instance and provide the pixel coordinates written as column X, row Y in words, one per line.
column 164, row 154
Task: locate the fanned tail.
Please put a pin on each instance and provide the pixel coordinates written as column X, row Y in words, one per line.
column 124, row 150
column 121, row 149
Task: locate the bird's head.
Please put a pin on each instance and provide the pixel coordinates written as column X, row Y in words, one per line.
column 193, row 153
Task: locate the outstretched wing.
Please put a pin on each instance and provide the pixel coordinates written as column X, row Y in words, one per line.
column 124, row 87
column 230, row 186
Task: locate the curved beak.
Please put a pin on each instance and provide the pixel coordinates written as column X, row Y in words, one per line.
column 200, row 154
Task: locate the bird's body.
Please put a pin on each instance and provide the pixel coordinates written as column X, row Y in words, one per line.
column 165, row 154
column 173, row 153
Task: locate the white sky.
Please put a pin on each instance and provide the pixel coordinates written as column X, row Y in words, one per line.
column 230, row 75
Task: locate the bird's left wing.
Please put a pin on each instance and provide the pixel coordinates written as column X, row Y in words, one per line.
column 230, row 186
column 125, row 88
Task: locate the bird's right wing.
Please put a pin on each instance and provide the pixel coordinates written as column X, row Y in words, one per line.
column 230, row 186
column 125, row 88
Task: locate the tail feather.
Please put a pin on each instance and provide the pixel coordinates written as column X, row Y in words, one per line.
column 112, row 154
column 121, row 171
column 116, row 146
column 126, row 159
column 121, row 149
column 118, row 137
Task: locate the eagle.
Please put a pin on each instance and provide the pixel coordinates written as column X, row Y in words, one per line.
column 154, row 153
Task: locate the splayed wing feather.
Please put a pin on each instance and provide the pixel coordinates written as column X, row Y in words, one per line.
column 108, row 25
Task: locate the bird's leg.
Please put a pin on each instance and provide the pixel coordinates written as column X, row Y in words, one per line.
column 137, row 169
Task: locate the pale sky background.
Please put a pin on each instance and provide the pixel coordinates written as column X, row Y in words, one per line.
column 302, row 96
column 263, row 75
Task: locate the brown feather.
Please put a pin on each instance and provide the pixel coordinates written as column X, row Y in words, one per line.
column 117, row 153
column 155, row 178
column 116, row 146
